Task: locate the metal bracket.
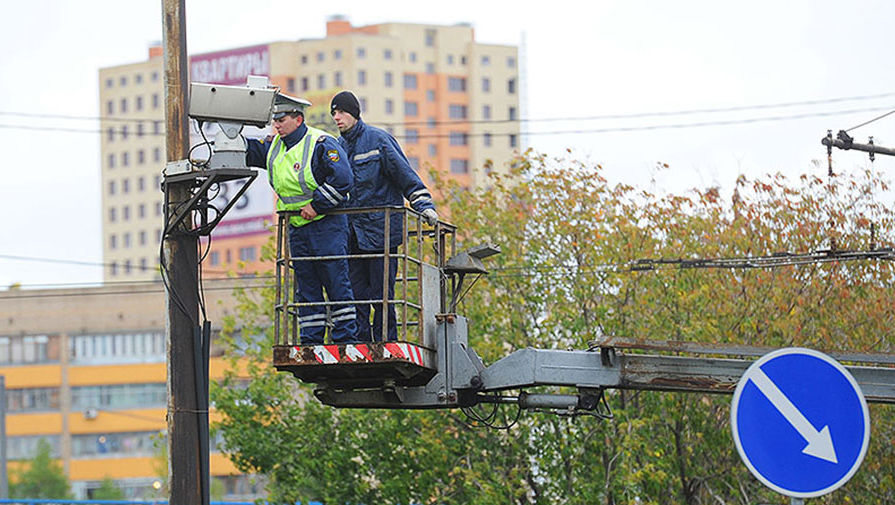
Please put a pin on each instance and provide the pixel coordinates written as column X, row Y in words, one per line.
column 199, row 183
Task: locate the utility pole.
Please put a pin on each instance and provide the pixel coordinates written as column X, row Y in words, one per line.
column 186, row 478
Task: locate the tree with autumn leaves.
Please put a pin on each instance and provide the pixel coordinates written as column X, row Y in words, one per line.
column 569, row 238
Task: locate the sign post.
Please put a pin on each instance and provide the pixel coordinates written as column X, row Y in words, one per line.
column 800, row 422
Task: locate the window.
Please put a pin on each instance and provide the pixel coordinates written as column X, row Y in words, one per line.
column 320, row 57
column 143, row 242
column 155, row 101
column 125, row 161
column 124, row 132
column 158, row 182
column 143, row 262
column 157, row 127
column 110, row 107
column 411, row 109
column 486, row 85
column 459, row 138
column 140, row 129
column 412, row 57
column 511, row 86
column 126, row 215
column 25, row 447
column 123, row 105
column 387, row 54
column 456, row 111
column 430, row 68
column 321, row 81
column 113, row 243
column 127, row 267
column 486, row 111
column 158, row 208
column 111, row 187
column 430, row 122
column 430, row 95
column 139, row 103
column 141, row 158
column 290, row 84
column 412, row 136
column 410, row 81
column 511, row 62
column 214, row 258
column 138, row 78
column 111, row 161
column 113, row 444
column 122, row 81
column 433, row 150
column 141, row 213
column 463, row 60
column 513, row 141
column 450, row 59
column 32, row 399
column 430, row 37
column 363, row 103
column 304, row 84
column 154, row 76
column 110, row 134
column 362, row 52
column 486, row 60
column 110, row 83
column 487, row 140
column 388, row 79
column 337, row 79
column 134, row 347
column 457, row 84
column 246, row 254
column 389, row 106
column 113, row 215
column 361, row 77
column 459, row 166
column 512, row 113
column 157, row 154
column 304, row 59
column 337, row 54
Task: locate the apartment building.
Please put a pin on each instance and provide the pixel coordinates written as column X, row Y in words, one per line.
column 84, row 370
column 452, row 103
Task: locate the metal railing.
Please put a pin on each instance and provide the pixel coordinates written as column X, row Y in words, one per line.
column 423, row 250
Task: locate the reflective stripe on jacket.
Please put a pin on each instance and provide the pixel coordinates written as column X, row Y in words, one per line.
column 290, row 176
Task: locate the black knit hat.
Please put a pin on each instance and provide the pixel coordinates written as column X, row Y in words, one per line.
column 347, row 102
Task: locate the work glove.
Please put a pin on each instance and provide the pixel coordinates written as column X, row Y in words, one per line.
column 430, row 216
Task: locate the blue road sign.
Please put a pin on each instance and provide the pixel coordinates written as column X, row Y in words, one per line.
column 800, row 422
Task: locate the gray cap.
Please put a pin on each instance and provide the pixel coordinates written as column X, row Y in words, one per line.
column 284, row 104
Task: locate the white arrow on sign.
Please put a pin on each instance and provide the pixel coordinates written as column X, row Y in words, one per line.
column 820, row 443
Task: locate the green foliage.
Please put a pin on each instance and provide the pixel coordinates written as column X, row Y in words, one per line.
column 43, row 477
column 108, row 491
column 561, row 282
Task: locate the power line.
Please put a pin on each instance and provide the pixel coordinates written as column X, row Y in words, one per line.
column 617, row 129
column 708, row 110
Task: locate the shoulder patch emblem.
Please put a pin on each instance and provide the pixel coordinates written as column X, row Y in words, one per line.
column 333, row 155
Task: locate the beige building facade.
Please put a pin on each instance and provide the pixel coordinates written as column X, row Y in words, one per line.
column 452, row 103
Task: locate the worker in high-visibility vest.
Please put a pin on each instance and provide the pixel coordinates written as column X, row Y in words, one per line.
column 310, row 173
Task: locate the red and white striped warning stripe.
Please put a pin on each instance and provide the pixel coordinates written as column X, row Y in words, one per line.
column 329, row 354
column 403, row 350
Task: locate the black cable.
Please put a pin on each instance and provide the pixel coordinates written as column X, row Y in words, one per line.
column 868, row 122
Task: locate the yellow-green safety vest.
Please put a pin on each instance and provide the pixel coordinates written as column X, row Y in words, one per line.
column 290, row 176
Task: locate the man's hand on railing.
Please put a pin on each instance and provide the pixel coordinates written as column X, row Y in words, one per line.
column 430, row 216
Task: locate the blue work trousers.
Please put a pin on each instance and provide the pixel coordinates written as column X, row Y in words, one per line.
column 325, row 237
column 366, row 282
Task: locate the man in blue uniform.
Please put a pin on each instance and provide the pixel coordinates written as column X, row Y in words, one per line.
column 310, row 173
column 382, row 178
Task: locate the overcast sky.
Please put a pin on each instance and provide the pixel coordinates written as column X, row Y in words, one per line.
column 579, row 60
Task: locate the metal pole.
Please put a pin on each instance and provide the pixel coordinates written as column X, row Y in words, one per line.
column 4, row 479
column 181, row 261
column 848, row 145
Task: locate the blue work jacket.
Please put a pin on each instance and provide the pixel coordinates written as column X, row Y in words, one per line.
column 382, row 178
